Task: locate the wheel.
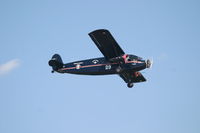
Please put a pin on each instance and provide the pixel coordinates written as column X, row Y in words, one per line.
column 130, row 85
column 118, row 69
column 52, row 71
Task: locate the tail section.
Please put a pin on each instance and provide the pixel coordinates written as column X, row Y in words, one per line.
column 56, row 62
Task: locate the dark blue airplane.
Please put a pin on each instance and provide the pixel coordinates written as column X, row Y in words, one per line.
column 115, row 61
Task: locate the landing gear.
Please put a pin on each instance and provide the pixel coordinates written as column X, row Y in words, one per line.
column 130, row 85
column 52, row 71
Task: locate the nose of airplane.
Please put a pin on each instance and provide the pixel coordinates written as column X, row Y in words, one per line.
column 149, row 63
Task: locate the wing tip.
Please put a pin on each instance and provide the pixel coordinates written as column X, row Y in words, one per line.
column 98, row 31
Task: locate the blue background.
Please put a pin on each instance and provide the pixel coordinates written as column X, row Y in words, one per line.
column 32, row 100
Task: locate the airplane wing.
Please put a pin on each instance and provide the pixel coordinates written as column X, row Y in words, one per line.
column 106, row 43
column 132, row 77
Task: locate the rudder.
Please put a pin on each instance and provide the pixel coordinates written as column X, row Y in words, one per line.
column 56, row 62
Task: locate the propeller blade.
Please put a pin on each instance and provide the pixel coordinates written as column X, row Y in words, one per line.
column 149, row 63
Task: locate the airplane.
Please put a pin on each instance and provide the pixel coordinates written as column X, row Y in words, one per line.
column 115, row 61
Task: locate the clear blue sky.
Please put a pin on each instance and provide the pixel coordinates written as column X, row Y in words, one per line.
column 32, row 100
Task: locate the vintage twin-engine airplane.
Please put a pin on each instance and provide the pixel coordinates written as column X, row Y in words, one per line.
column 115, row 61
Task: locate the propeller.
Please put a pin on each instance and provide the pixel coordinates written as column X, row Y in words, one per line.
column 149, row 63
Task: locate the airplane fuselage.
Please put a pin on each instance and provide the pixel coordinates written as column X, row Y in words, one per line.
column 100, row 66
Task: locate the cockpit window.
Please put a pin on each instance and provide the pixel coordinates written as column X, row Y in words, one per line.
column 129, row 59
column 133, row 57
